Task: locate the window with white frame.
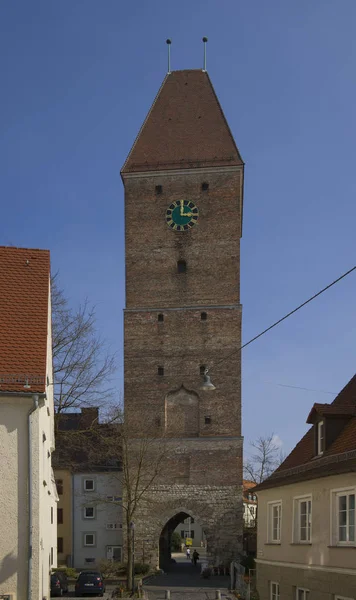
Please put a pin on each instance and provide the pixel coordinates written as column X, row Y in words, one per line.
column 321, row 435
column 302, row 594
column 274, row 522
column 274, row 590
column 89, row 539
column 345, row 517
column 302, row 520
column 89, row 512
column 89, row 485
column 342, row 598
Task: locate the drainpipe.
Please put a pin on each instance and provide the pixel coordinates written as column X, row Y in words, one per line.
column 35, row 398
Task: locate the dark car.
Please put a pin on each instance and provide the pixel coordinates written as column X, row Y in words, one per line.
column 59, row 584
column 90, row 582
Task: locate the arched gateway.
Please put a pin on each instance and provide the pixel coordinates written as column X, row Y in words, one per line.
column 183, row 206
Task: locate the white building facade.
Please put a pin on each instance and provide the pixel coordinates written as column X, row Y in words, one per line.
column 97, row 518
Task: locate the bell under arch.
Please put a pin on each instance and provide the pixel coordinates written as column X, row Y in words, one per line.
column 181, row 410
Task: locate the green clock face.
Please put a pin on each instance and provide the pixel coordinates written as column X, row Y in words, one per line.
column 181, row 215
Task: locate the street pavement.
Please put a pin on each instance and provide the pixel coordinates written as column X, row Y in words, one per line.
column 185, row 582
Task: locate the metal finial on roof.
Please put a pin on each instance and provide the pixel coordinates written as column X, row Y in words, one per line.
column 168, row 42
column 205, row 39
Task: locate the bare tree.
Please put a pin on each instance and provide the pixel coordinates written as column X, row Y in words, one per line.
column 82, row 365
column 266, row 458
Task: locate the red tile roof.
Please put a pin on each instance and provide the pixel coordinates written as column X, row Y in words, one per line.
column 24, row 285
column 303, row 455
column 184, row 128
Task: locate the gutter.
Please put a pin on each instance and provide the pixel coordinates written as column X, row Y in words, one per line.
column 35, row 398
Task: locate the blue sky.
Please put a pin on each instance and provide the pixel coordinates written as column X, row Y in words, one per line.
column 77, row 79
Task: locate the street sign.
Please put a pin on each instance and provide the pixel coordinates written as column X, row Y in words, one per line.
column 188, row 541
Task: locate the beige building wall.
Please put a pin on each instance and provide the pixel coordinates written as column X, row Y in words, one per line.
column 14, row 489
column 64, row 530
column 309, row 563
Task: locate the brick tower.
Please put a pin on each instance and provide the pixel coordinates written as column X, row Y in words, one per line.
column 183, row 184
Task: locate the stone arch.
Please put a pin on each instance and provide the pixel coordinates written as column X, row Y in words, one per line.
column 181, row 409
column 167, row 525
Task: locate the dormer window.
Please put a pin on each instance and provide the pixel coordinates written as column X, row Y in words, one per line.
column 320, row 437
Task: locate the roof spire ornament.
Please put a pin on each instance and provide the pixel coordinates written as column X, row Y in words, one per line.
column 205, row 39
column 168, row 42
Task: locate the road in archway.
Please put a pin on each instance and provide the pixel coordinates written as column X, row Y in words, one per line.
column 185, row 582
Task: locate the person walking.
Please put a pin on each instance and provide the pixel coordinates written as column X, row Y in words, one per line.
column 188, row 552
column 195, row 558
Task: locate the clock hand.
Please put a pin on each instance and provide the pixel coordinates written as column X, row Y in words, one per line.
column 181, row 208
column 187, row 214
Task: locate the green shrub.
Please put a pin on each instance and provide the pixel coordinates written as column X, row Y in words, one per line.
column 176, row 542
column 248, row 562
column 141, row 568
column 69, row 571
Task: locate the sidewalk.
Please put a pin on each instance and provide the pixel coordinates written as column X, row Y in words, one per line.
column 184, row 581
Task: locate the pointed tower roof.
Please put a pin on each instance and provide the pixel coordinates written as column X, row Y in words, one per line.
column 185, row 128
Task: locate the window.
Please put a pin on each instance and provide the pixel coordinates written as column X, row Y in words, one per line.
column 89, row 485
column 320, row 443
column 160, row 318
column 113, row 498
column 60, row 516
column 89, row 512
column 346, row 518
column 250, row 496
column 203, row 316
column 202, row 369
column 89, row 560
column 204, row 186
column 255, row 497
column 342, row 598
column 181, row 266
column 274, row 522
column 89, row 539
column 207, row 420
column 60, row 545
column 191, row 520
column 159, row 189
column 59, row 484
column 302, row 520
column 182, row 534
column 192, row 534
column 160, row 371
column 274, row 590
column 301, row 594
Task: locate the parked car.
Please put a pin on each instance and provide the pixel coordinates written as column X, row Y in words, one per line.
column 90, row 582
column 59, row 583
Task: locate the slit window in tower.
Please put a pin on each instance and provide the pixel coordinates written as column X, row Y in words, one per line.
column 160, row 371
column 182, row 266
column 202, row 369
column 203, row 316
column 204, row 186
column 160, row 318
column 208, row 420
column 159, row 189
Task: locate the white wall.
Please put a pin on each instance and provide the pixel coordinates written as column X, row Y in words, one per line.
column 105, row 484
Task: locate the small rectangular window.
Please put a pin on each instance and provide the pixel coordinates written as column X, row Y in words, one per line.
column 160, row 318
column 203, row 316
column 320, row 437
column 60, row 516
column 59, row 484
column 159, row 189
column 89, row 539
column 181, row 266
column 302, row 594
column 89, row 512
column 274, row 522
column 89, row 485
column 192, row 534
column 207, row 420
column 204, row 186
column 160, row 371
column 274, row 590
column 182, row 534
column 303, row 520
column 60, row 545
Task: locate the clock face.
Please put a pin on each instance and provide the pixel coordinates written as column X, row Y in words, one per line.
column 181, row 215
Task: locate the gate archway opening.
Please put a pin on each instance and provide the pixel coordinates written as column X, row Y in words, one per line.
column 165, row 540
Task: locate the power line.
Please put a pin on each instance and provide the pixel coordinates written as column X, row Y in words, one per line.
column 287, row 315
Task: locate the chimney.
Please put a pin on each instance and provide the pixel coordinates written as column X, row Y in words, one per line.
column 89, row 417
